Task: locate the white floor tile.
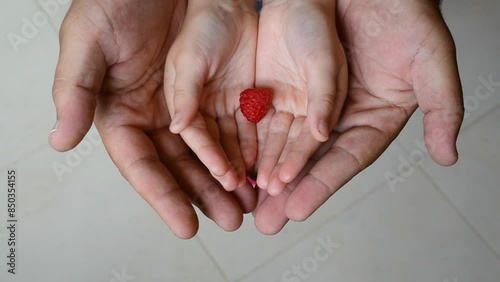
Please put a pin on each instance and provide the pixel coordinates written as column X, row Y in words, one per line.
column 55, row 9
column 473, row 184
column 27, row 72
column 412, row 235
column 227, row 248
column 92, row 226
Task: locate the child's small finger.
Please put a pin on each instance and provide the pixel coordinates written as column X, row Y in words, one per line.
column 229, row 142
column 276, row 140
column 302, row 150
column 275, row 186
column 247, row 134
column 210, row 153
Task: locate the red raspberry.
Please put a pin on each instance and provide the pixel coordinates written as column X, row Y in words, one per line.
column 254, row 103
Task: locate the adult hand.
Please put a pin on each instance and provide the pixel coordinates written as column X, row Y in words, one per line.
column 112, row 64
column 300, row 58
column 408, row 62
column 211, row 62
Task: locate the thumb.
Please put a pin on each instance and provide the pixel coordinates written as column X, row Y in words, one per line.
column 439, row 96
column 327, row 92
column 190, row 72
column 79, row 74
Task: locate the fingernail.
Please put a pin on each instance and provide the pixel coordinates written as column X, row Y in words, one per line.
column 323, row 129
column 54, row 128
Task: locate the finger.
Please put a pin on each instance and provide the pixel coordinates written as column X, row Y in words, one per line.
column 247, row 134
column 276, row 185
column 195, row 180
column 297, row 158
column 261, row 197
column 270, row 216
column 436, row 83
column 277, row 137
column 246, row 197
column 325, row 98
column 262, row 133
column 210, row 153
column 136, row 158
column 191, row 72
column 229, row 142
column 353, row 151
column 79, row 75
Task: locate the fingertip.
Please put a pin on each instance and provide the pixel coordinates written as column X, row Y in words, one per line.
column 447, row 155
column 270, row 216
column 186, row 232
column 63, row 138
column 268, row 228
column 276, row 186
column 441, row 138
column 175, row 126
column 249, row 157
column 323, row 131
column 285, row 175
column 262, row 181
column 295, row 215
column 181, row 120
column 246, row 197
column 234, row 226
column 295, row 211
column 230, row 222
column 320, row 129
column 229, row 180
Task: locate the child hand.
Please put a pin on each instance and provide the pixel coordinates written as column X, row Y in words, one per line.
column 301, row 60
column 209, row 64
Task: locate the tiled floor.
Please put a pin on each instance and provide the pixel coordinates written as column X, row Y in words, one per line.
column 439, row 224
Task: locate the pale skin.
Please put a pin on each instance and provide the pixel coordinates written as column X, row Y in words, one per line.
column 112, row 64
column 388, row 79
column 299, row 57
column 214, row 59
column 409, row 64
column 210, row 63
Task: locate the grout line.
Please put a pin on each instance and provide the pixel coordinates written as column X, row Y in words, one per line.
column 212, row 258
column 24, row 157
column 312, row 231
column 456, row 209
column 462, row 216
column 480, row 117
column 51, row 24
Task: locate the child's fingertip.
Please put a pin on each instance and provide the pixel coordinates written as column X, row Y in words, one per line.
column 323, row 130
column 175, row 125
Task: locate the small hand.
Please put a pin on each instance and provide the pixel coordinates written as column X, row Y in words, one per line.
column 300, row 59
column 211, row 62
column 112, row 64
column 409, row 63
